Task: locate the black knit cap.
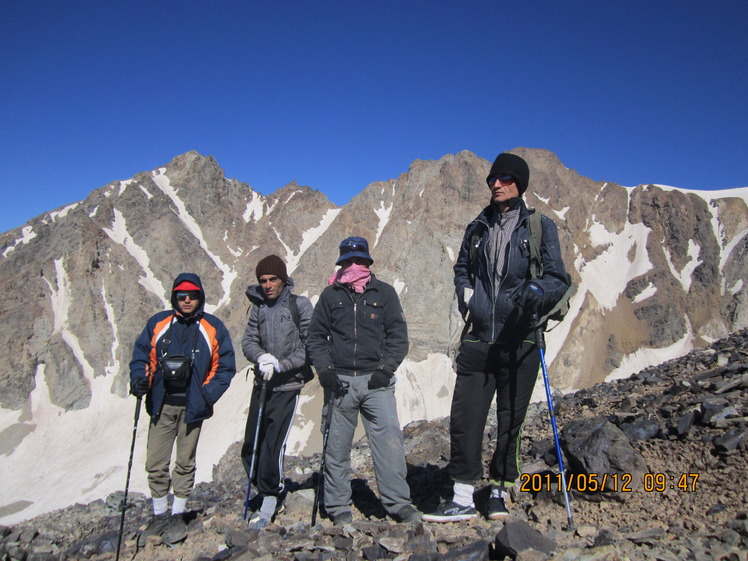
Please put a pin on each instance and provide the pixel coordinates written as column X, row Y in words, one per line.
column 272, row 265
column 511, row 164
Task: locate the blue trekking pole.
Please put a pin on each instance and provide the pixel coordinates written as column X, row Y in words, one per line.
column 540, row 341
column 253, row 461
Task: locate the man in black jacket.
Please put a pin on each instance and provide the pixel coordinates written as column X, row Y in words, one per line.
column 499, row 299
column 358, row 336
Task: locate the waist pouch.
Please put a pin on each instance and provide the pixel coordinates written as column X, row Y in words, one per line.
column 176, row 368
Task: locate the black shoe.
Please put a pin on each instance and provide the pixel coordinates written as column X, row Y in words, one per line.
column 342, row 519
column 407, row 514
column 451, row 512
column 159, row 523
column 496, row 509
column 176, row 531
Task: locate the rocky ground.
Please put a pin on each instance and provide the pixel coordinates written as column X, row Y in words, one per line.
column 668, row 445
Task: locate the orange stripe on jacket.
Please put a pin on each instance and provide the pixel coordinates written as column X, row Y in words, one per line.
column 209, row 332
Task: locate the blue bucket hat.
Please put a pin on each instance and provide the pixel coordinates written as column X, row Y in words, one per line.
column 354, row 247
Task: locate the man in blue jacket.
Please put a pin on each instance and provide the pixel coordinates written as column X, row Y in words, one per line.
column 358, row 335
column 498, row 299
column 183, row 362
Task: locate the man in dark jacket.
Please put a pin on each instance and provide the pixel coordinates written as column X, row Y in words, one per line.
column 274, row 340
column 358, row 337
column 182, row 362
column 498, row 356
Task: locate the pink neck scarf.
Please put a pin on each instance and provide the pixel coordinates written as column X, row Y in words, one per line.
column 355, row 276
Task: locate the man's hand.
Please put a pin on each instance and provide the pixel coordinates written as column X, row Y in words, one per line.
column 328, row 379
column 268, row 365
column 379, row 379
column 530, row 297
column 140, row 386
column 266, row 370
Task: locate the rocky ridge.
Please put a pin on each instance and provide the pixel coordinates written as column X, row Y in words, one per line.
column 670, row 443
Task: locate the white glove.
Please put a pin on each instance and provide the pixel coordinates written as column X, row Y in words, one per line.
column 266, row 369
column 266, row 366
column 275, row 363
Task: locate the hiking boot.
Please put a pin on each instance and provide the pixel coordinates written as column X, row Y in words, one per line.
column 450, row 512
column 156, row 527
column 176, row 531
column 407, row 514
column 496, row 508
column 342, row 519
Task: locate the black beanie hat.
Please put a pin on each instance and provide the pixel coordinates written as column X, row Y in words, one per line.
column 511, row 164
column 272, row 265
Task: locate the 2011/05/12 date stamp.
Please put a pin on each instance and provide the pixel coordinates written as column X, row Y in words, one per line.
column 615, row 482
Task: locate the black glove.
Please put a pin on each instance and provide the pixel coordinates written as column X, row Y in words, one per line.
column 140, row 386
column 530, row 298
column 380, row 379
column 328, row 379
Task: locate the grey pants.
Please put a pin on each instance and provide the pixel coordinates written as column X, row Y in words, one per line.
column 379, row 413
column 171, row 427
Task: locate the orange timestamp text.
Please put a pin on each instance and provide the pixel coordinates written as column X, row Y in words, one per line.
column 614, row 482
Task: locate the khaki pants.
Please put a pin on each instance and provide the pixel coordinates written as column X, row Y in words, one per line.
column 162, row 433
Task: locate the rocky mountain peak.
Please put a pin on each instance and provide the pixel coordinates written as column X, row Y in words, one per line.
column 658, row 271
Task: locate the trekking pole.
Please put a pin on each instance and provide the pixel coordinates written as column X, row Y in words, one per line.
column 328, row 420
column 253, row 461
column 540, row 341
column 129, row 469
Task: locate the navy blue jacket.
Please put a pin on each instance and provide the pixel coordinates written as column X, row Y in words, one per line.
column 214, row 365
column 493, row 315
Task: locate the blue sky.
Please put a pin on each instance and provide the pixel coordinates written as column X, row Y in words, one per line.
column 339, row 94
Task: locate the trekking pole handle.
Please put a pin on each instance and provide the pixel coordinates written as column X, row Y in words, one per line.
column 539, row 336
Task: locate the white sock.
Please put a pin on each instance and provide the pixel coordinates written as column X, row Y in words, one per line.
column 160, row 504
column 267, row 510
column 179, row 505
column 498, row 492
column 463, row 494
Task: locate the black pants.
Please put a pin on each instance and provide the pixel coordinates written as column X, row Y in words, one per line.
column 277, row 418
column 509, row 371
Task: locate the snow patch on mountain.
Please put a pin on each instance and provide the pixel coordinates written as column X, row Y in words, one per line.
column 607, row 275
column 112, row 368
column 308, row 238
column 148, row 194
column 62, row 213
column 123, row 185
column 119, row 234
column 383, row 213
column 255, row 207
column 645, row 356
column 27, row 234
column 684, row 275
column 648, row 291
column 229, row 273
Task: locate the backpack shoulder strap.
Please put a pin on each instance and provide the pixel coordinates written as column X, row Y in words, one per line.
column 536, row 240
column 294, row 307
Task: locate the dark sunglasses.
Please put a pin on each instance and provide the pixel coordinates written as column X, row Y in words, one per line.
column 192, row 295
column 502, row 179
column 358, row 247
